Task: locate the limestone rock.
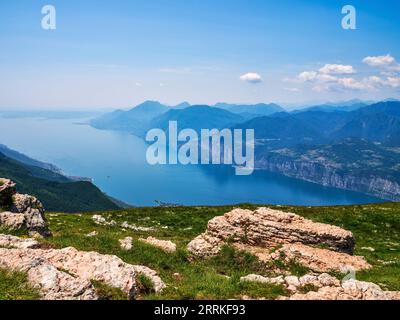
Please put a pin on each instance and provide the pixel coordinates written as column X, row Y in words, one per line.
column 22, row 211
column 293, row 284
column 126, row 244
column 52, row 283
column 94, row 266
column 101, row 221
column 261, row 279
column 348, row 290
column 167, row 246
column 329, row 288
column 7, row 241
column 205, row 246
column 92, row 234
column 269, row 228
column 133, row 227
column 320, row 260
column 78, row 269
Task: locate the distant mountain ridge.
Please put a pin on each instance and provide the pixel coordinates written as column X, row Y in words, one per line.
column 197, row 118
column 135, row 121
column 153, row 114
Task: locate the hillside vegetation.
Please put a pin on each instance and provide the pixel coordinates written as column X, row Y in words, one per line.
column 376, row 229
column 56, row 192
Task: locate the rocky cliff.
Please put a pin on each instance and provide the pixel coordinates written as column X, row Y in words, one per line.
column 330, row 176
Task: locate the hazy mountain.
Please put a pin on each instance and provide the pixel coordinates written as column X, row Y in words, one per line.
column 182, row 105
column 324, row 123
column 378, row 122
column 135, row 121
column 332, row 108
column 139, row 119
column 197, row 118
column 281, row 130
column 260, row 109
column 349, row 105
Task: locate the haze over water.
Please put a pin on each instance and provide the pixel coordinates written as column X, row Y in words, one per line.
column 117, row 163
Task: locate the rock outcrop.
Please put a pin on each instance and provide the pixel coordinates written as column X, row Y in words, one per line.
column 21, row 211
column 66, row 273
column 275, row 235
column 166, row 246
column 320, row 260
column 7, row 241
column 126, row 243
column 325, row 287
column 294, row 284
column 52, row 283
column 348, row 290
column 265, row 227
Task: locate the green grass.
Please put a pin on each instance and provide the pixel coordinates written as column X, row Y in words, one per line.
column 14, row 286
column 376, row 226
column 106, row 292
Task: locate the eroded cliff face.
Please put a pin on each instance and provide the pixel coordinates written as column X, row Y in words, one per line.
column 331, row 176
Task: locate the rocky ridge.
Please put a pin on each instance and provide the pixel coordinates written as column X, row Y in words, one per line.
column 273, row 235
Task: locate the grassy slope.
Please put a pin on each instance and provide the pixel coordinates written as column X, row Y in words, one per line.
column 376, row 226
column 55, row 195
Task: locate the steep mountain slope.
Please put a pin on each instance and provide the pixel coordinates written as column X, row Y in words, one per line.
column 27, row 160
column 135, row 121
column 352, row 164
column 55, row 191
column 281, row 130
column 379, row 122
column 323, row 123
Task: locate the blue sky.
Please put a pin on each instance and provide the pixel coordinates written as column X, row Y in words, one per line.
column 115, row 54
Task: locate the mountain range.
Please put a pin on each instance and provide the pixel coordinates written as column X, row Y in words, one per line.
column 334, row 134
column 152, row 114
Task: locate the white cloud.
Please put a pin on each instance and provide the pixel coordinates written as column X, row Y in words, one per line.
column 335, row 77
column 391, row 81
column 307, row 76
column 251, row 77
column 379, row 61
column 385, row 62
column 337, row 69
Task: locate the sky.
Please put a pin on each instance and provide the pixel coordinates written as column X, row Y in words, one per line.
column 116, row 54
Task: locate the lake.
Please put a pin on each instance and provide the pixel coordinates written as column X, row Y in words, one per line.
column 117, row 163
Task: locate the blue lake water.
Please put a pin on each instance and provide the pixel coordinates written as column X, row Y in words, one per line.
column 117, row 163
